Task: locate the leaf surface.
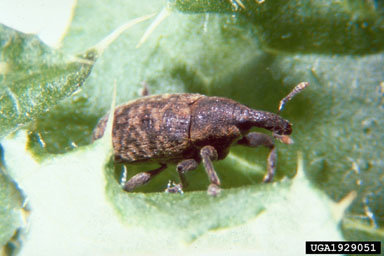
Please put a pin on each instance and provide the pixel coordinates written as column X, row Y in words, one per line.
column 255, row 56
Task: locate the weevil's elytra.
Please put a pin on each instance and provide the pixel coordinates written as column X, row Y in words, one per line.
column 188, row 129
column 153, row 128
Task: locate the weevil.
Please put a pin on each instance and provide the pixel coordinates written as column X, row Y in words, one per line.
column 187, row 129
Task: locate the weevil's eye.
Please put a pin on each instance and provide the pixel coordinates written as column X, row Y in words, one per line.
column 288, row 129
column 284, row 128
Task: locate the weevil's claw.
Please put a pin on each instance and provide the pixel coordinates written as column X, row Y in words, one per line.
column 123, row 178
column 268, row 178
column 174, row 188
column 283, row 138
column 213, row 190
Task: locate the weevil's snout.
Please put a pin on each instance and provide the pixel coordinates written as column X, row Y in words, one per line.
column 284, row 128
column 282, row 132
column 266, row 120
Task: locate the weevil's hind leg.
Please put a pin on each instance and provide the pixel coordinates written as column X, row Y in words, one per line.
column 255, row 139
column 182, row 168
column 209, row 154
column 142, row 178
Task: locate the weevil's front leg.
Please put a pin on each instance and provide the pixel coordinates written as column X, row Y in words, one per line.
column 255, row 139
column 185, row 166
column 209, row 154
column 141, row 178
column 182, row 167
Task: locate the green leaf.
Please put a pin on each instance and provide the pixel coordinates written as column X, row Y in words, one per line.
column 11, row 212
column 343, row 27
column 34, row 77
column 337, row 122
column 74, row 200
column 156, row 63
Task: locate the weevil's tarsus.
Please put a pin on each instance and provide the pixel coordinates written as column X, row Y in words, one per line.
column 213, row 190
column 209, row 154
column 183, row 167
column 159, row 18
column 255, row 139
column 271, row 170
column 142, row 177
column 283, row 138
column 174, row 188
column 298, row 88
column 124, row 175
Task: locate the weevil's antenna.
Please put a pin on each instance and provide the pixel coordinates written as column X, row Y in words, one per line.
column 298, row 88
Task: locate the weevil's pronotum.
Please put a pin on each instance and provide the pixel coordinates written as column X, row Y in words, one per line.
column 187, row 129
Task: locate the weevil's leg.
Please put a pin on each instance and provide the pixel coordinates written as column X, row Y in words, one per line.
column 255, row 139
column 182, row 167
column 209, row 154
column 142, row 178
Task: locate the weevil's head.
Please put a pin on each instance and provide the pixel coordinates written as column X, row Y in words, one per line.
column 282, row 131
column 267, row 120
column 281, row 127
